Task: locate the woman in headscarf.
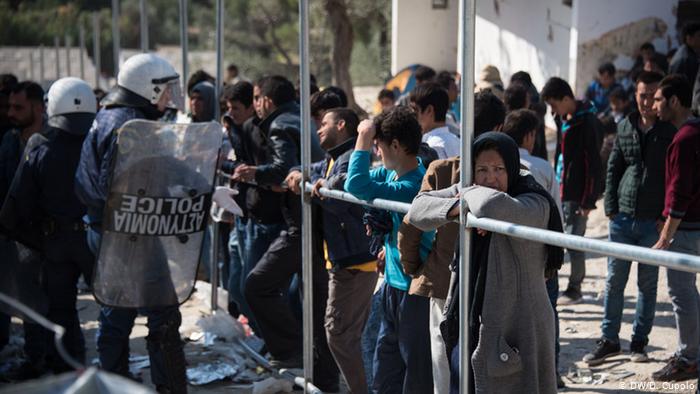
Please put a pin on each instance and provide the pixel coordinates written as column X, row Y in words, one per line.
column 511, row 319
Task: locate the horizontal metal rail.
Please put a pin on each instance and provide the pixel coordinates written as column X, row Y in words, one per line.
column 661, row 258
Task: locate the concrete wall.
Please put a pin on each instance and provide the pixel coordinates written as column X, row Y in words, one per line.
column 613, row 31
column 530, row 35
column 513, row 35
column 25, row 63
column 421, row 34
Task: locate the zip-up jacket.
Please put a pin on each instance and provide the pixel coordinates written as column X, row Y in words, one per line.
column 636, row 169
column 578, row 165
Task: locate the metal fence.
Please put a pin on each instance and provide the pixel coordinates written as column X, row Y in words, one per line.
column 661, row 258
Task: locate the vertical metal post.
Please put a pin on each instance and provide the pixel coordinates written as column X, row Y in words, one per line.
column 467, row 18
column 115, row 36
column 184, row 44
column 217, row 86
column 30, row 70
column 56, row 45
column 81, row 44
column 96, row 49
column 306, row 234
column 143, row 13
column 219, row 54
column 68, row 41
column 42, row 75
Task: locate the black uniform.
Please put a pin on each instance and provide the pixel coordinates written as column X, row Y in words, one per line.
column 48, row 218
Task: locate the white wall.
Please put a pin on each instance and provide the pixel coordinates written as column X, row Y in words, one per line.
column 423, row 35
column 613, row 31
column 530, row 35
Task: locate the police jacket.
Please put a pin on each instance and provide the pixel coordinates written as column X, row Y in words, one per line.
column 10, row 154
column 94, row 170
column 636, row 169
column 42, row 200
column 343, row 229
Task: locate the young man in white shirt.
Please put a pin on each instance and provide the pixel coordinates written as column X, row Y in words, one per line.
column 521, row 125
column 430, row 102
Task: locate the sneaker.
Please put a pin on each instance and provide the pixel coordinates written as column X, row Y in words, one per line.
column 570, row 297
column 677, row 368
column 637, row 353
column 604, row 350
column 560, row 382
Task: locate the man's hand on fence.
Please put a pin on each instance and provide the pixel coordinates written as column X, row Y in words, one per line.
column 318, row 185
column 293, row 181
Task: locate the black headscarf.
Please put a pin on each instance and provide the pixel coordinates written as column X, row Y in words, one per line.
column 520, row 183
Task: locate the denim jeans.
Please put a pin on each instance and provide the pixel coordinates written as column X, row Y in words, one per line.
column 640, row 232
column 253, row 239
column 575, row 224
column 684, row 296
column 402, row 362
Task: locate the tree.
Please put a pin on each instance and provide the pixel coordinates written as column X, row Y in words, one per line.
column 343, row 39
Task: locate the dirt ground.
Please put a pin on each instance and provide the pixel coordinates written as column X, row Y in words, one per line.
column 579, row 324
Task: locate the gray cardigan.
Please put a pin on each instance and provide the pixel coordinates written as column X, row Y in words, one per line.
column 515, row 352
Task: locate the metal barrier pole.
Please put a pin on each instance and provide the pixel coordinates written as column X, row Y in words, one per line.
column 306, row 232
column 467, row 13
column 96, row 53
column 68, row 41
column 42, row 76
column 215, row 226
column 81, row 40
column 143, row 23
column 183, row 45
column 58, row 56
column 115, row 36
column 30, row 70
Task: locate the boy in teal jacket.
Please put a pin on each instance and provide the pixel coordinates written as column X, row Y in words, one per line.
column 402, row 357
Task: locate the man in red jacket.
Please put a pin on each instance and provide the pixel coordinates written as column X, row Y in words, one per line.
column 681, row 231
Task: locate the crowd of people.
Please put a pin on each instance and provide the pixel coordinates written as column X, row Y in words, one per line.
column 632, row 139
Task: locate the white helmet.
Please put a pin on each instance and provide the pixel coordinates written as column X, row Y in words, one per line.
column 70, row 95
column 71, row 105
column 148, row 76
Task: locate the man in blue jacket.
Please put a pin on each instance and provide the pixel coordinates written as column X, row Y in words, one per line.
column 143, row 91
column 402, row 359
column 352, row 270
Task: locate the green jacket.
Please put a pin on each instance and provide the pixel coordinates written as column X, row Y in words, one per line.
column 635, row 180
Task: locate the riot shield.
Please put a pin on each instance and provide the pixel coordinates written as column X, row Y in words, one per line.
column 156, row 213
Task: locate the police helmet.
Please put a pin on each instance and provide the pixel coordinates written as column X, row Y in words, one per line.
column 71, row 105
column 148, row 76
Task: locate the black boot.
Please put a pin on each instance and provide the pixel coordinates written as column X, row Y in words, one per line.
column 165, row 350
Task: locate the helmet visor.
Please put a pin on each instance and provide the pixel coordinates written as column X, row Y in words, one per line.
column 176, row 98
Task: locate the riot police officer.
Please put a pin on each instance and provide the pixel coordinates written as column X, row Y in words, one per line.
column 47, row 215
column 146, row 85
